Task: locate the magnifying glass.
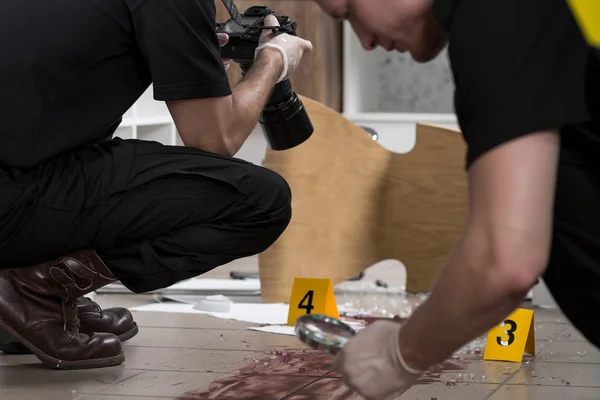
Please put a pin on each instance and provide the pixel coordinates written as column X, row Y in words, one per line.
column 323, row 333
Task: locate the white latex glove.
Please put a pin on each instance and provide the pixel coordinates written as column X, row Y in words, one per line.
column 292, row 48
column 371, row 364
column 223, row 40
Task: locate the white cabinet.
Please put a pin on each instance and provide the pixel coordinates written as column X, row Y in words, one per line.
column 148, row 119
column 372, row 98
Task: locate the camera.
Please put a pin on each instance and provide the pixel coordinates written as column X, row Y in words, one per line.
column 284, row 120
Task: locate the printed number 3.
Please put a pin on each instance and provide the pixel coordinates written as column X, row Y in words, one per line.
column 307, row 302
column 509, row 332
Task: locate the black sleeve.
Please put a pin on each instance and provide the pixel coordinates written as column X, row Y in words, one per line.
column 178, row 40
column 519, row 67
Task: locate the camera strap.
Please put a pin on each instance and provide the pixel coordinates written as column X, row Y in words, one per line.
column 233, row 11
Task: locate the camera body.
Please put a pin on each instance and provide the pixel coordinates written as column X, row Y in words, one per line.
column 243, row 40
column 284, row 119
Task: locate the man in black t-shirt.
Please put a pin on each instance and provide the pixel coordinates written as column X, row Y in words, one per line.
column 528, row 104
column 80, row 210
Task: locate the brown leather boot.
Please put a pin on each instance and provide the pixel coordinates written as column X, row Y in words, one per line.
column 116, row 320
column 37, row 307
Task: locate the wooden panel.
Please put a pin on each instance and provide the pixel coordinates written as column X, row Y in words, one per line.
column 423, row 205
column 356, row 203
column 320, row 73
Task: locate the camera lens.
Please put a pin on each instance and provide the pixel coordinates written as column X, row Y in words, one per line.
column 284, row 119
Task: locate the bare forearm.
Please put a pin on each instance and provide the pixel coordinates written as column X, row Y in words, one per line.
column 251, row 94
column 472, row 295
column 505, row 247
column 221, row 125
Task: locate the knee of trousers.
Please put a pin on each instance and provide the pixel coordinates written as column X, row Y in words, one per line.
column 275, row 195
column 272, row 189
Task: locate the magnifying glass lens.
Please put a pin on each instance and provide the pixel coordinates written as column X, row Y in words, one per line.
column 323, row 333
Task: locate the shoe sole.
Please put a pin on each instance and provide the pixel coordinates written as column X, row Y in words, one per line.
column 55, row 363
column 123, row 337
column 10, row 345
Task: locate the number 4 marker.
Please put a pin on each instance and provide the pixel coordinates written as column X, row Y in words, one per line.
column 307, row 302
column 312, row 296
column 512, row 338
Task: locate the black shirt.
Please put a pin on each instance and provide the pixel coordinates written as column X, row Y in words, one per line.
column 519, row 67
column 70, row 69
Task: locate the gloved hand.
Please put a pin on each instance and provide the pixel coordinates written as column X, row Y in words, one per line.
column 292, row 48
column 223, row 40
column 371, row 363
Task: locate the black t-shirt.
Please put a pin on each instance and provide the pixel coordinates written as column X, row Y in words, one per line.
column 519, row 67
column 70, row 69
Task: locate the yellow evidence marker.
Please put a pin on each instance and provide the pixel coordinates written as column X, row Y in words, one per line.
column 512, row 338
column 312, row 296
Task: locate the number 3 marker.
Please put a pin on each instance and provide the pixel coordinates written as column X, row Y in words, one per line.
column 512, row 338
column 509, row 333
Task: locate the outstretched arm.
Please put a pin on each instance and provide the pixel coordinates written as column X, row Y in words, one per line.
column 502, row 251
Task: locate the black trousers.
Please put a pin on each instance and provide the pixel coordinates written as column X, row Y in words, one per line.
column 155, row 214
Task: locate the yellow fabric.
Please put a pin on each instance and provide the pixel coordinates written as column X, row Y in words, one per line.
column 587, row 14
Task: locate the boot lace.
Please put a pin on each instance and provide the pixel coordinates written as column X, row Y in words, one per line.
column 66, row 274
column 70, row 317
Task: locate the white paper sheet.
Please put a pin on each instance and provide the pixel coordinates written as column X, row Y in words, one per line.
column 277, row 329
column 269, row 314
column 225, row 285
column 200, row 286
column 194, row 299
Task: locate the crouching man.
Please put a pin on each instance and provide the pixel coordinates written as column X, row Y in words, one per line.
column 80, row 210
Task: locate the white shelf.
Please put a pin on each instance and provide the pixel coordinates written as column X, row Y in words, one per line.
column 149, row 119
column 444, row 119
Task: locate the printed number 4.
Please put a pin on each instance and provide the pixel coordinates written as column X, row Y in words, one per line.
column 307, row 302
column 509, row 332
